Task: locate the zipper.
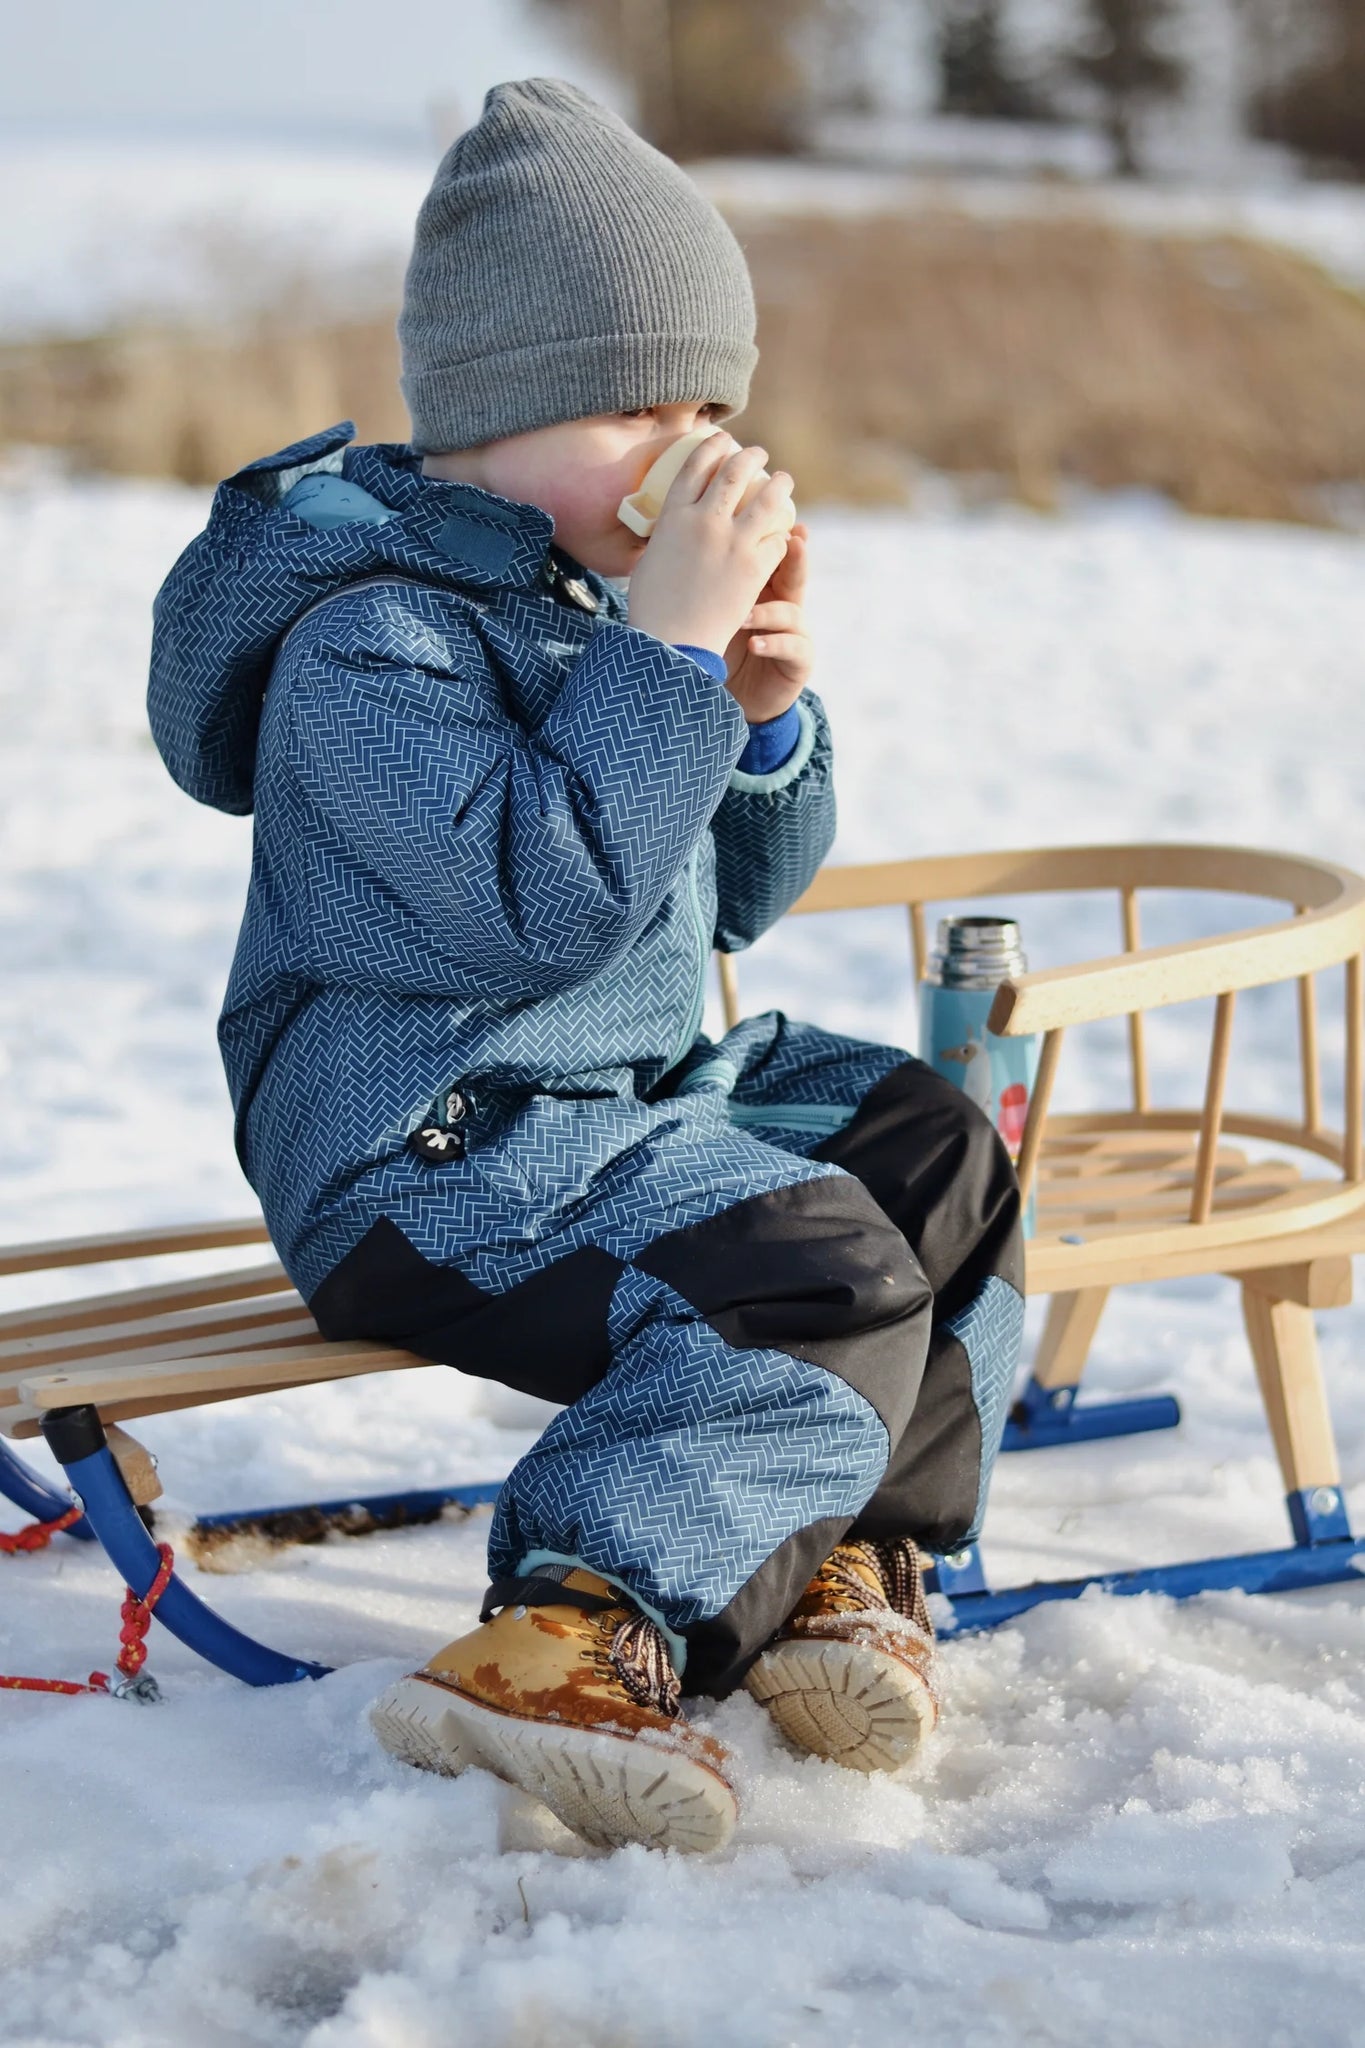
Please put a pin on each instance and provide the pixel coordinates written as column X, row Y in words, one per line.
column 825, row 1117
column 704, row 953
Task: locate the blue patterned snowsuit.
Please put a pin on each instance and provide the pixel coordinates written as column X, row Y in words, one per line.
column 496, row 836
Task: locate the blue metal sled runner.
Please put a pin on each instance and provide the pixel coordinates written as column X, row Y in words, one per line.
column 1127, row 1195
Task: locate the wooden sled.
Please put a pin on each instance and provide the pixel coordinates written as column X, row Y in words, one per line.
column 1130, row 1194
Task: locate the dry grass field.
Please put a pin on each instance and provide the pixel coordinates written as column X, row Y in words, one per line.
column 1226, row 373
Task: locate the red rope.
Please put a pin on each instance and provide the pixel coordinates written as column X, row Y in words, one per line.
column 135, row 1613
column 37, row 1535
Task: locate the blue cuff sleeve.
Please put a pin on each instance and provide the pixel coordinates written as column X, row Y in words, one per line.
column 707, row 658
column 771, row 744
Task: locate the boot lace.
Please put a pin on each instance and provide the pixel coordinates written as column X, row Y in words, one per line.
column 896, row 1563
column 898, row 1560
column 640, row 1659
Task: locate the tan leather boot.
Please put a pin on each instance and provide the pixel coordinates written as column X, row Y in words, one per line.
column 569, row 1693
column 850, row 1676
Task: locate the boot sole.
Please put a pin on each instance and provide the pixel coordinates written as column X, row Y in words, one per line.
column 610, row 1789
column 848, row 1702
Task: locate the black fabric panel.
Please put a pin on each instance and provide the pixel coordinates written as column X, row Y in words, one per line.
column 546, row 1336
column 816, row 1270
column 936, row 1164
column 929, row 1488
column 720, row 1651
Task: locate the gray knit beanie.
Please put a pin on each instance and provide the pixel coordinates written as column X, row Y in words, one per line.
column 562, row 267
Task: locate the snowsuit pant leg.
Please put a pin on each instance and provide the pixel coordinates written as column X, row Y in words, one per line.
column 738, row 1335
column 937, row 1168
column 743, row 1388
column 764, row 1362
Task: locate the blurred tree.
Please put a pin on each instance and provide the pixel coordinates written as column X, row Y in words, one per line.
column 1310, row 83
column 710, row 77
column 1121, row 55
column 978, row 74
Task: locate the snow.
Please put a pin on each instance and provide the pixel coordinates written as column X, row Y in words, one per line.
column 1141, row 1822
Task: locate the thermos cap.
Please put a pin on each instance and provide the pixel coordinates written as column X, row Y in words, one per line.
column 976, row 952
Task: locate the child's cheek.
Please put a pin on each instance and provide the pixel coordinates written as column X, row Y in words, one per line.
column 588, row 504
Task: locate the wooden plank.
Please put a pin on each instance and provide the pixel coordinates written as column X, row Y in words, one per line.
column 1142, row 1212
column 243, row 1372
column 131, row 1244
column 1137, row 1026
column 1324, row 1282
column 1140, row 1179
column 728, row 972
column 1256, row 1316
column 1284, row 1346
column 25, row 1421
column 1314, row 1217
column 136, row 1464
column 54, row 1346
column 1332, row 930
column 919, row 943
column 1121, row 1127
column 300, row 1333
column 1353, row 1165
column 1061, row 996
column 1103, row 1162
column 86, row 1310
column 1215, row 1093
column 1310, row 1061
column 1036, row 1119
column 1023, row 871
column 1064, row 1346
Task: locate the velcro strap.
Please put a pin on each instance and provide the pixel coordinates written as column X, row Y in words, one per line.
column 537, row 1592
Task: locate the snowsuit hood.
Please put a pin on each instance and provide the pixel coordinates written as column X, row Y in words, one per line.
column 212, row 653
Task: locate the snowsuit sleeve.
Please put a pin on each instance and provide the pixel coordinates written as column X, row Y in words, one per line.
column 530, row 859
column 772, row 832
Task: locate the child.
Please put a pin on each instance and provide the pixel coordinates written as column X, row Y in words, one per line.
column 502, row 816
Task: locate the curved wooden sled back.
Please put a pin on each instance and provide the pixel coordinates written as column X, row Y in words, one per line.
column 1233, row 1217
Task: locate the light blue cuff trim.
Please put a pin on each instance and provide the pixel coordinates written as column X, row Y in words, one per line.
column 705, row 657
column 778, row 778
column 771, row 743
column 677, row 1648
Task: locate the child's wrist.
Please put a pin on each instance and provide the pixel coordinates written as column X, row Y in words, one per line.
column 771, row 742
column 705, row 658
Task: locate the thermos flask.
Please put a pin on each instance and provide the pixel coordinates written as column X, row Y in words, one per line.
column 975, row 954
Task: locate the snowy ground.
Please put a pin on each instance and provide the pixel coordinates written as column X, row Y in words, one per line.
column 1142, row 1823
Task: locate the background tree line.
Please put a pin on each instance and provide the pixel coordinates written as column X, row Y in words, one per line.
column 745, row 77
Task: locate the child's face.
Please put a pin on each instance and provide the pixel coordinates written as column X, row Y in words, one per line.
column 578, row 471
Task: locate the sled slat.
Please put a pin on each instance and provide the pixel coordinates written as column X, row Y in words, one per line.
column 131, row 1244
column 85, row 1310
column 285, row 1312
column 245, row 1372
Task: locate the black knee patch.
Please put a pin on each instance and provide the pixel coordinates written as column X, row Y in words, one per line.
column 935, row 1163
column 816, row 1270
column 547, row 1336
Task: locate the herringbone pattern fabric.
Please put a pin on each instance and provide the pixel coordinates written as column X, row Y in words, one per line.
column 686, row 1467
column 487, row 824
column 495, row 838
column 990, row 1329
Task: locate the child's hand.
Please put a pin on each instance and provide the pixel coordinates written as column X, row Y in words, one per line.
column 769, row 659
column 708, row 562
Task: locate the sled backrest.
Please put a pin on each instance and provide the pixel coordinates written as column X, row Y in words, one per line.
column 1326, row 928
